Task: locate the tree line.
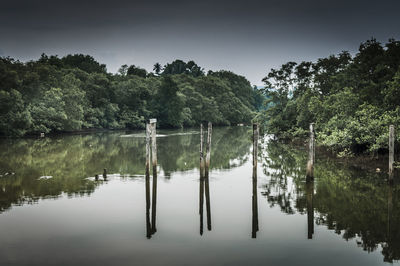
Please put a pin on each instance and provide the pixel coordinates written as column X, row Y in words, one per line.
column 352, row 99
column 76, row 92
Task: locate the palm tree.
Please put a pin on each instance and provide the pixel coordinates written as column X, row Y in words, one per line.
column 157, row 68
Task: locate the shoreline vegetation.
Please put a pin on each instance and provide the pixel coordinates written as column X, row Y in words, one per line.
column 76, row 93
column 351, row 99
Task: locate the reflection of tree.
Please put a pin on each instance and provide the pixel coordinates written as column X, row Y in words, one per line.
column 354, row 203
column 180, row 152
column 281, row 164
column 71, row 159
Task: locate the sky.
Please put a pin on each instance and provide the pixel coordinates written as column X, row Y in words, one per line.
column 247, row 37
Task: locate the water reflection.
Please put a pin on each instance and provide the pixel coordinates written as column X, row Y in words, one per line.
column 204, row 182
column 69, row 160
column 351, row 202
column 355, row 204
column 204, row 191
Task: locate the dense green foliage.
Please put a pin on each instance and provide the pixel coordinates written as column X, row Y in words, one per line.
column 75, row 92
column 352, row 99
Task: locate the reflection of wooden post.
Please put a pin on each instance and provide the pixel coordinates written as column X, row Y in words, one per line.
column 154, row 159
column 208, row 206
column 311, row 153
column 391, row 152
column 310, row 208
column 389, row 214
column 254, row 226
column 148, row 224
column 201, row 202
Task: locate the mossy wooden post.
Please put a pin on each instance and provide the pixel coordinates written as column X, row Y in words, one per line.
column 391, row 152
column 254, row 204
column 311, row 153
column 154, row 159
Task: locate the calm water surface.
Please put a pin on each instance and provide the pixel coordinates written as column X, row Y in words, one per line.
column 54, row 212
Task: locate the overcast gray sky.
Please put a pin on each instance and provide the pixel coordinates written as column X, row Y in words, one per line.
column 247, row 37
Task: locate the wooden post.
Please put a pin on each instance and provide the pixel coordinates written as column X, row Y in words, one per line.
column 154, row 144
column 255, row 149
column 105, row 174
column 202, row 165
column 207, row 176
column 154, row 158
column 311, row 153
column 208, row 148
column 147, row 184
column 391, row 152
column 254, row 227
column 148, row 131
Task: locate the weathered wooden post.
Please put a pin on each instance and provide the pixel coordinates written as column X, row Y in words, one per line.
column 207, row 175
column 311, row 153
column 255, row 149
column 391, row 152
column 105, row 174
column 148, row 132
column 154, row 159
column 201, row 181
column 202, row 163
column 154, row 144
column 254, row 204
column 208, row 148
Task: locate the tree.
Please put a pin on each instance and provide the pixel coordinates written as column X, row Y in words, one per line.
column 157, row 68
column 137, row 71
column 123, row 70
column 169, row 102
